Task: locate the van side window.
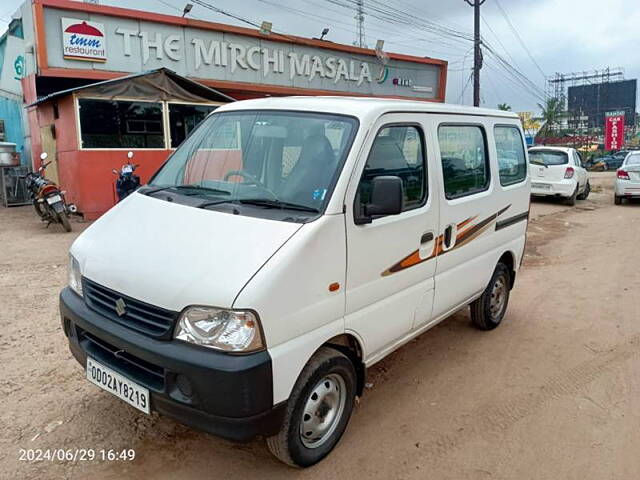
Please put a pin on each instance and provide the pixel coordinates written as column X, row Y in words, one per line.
column 397, row 151
column 465, row 162
column 512, row 164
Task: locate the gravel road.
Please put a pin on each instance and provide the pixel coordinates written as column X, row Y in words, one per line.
column 554, row 393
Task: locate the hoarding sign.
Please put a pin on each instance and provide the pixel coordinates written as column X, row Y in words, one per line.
column 136, row 45
column 83, row 40
column 613, row 130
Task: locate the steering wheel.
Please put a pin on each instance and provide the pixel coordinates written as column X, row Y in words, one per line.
column 245, row 175
column 248, row 176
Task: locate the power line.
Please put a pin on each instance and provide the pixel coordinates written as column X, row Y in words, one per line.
column 517, row 35
column 464, row 89
column 514, row 71
column 499, row 42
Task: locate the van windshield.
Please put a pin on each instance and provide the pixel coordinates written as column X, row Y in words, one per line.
column 548, row 157
column 268, row 159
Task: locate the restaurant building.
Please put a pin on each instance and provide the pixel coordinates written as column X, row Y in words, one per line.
column 55, row 46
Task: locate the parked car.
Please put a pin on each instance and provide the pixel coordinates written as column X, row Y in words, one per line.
column 628, row 178
column 287, row 245
column 610, row 162
column 558, row 172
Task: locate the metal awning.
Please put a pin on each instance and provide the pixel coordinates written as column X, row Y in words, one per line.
column 158, row 84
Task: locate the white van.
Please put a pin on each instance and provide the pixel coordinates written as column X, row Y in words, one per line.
column 288, row 245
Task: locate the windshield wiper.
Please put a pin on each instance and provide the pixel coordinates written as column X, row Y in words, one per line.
column 213, row 202
column 539, row 163
column 265, row 202
column 199, row 189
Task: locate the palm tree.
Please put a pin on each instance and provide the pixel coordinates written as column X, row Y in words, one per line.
column 552, row 113
column 504, row 106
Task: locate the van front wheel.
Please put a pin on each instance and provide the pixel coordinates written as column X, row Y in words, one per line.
column 488, row 310
column 318, row 410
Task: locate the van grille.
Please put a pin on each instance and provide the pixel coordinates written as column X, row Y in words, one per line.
column 140, row 316
column 141, row 371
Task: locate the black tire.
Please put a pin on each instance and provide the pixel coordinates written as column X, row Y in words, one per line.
column 617, row 200
column 38, row 207
column 483, row 313
column 585, row 194
column 287, row 445
column 64, row 220
column 571, row 201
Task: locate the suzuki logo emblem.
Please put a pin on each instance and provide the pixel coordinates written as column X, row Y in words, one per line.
column 121, row 307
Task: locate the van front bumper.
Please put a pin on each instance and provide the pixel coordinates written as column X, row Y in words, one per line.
column 230, row 396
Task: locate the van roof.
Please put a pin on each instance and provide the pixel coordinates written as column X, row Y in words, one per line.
column 360, row 106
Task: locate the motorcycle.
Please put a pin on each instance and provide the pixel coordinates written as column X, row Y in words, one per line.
column 127, row 182
column 48, row 200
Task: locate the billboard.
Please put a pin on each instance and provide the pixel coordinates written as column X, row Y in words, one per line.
column 593, row 101
column 614, row 130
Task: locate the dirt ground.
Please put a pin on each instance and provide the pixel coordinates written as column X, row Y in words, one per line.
column 554, row 393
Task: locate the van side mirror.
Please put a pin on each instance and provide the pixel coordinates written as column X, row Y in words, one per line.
column 386, row 199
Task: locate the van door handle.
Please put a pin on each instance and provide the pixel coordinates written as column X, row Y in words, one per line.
column 426, row 245
column 449, row 237
column 426, row 238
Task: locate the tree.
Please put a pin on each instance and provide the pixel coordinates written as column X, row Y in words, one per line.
column 504, row 106
column 530, row 125
column 552, row 113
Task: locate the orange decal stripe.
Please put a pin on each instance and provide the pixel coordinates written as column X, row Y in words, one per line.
column 467, row 221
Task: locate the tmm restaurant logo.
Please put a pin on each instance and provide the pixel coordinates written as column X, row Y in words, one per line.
column 82, row 40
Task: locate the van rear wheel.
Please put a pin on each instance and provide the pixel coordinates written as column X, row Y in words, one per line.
column 488, row 310
column 318, row 410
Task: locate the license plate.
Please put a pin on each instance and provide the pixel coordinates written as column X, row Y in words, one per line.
column 541, row 186
column 123, row 388
column 53, row 199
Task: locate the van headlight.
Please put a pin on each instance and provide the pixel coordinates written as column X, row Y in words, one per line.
column 221, row 329
column 75, row 278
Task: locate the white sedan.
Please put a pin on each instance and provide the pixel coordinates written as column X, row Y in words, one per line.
column 628, row 178
column 558, row 172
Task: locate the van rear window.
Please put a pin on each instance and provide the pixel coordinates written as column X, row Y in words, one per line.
column 548, row 157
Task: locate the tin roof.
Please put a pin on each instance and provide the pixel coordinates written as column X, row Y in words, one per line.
column 184, row 84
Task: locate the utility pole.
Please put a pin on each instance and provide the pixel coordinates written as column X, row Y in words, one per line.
column 477, row 52
column 360, row 41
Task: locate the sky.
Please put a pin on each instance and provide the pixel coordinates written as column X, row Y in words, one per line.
column 525, row 40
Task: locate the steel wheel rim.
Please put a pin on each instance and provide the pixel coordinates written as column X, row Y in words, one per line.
column 498, row 300
column 323, row 410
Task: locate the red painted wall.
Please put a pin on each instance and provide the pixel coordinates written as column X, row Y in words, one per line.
column 86, row 175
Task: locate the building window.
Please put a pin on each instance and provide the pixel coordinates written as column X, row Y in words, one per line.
column 120, row 124
column 512, row 162
column 398, row 151
column 465, row 163
column 184, row 118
